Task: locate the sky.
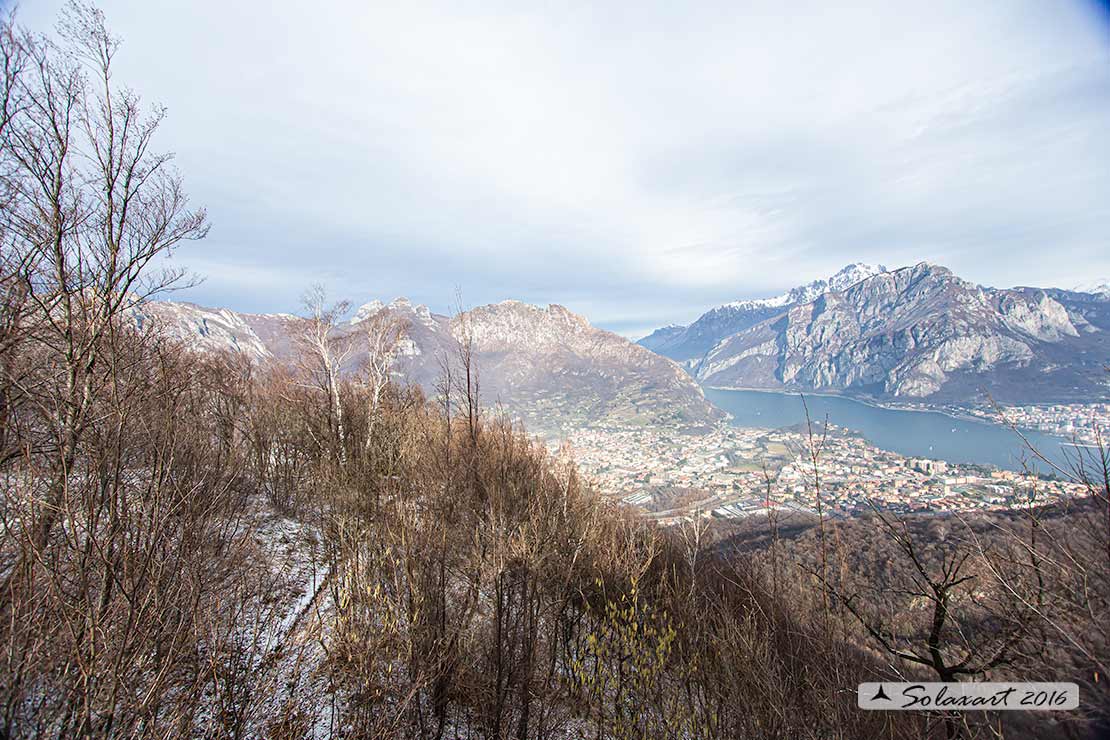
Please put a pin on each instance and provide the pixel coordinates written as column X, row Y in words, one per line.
column 637, row 162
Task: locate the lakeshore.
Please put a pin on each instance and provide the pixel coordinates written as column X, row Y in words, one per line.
column 916, row 432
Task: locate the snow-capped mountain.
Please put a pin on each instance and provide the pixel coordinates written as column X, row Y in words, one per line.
column 206, row 328
column 548, row 366
column 691, row 342
column 1100, row 288
column 922, row 331
column 844, row 278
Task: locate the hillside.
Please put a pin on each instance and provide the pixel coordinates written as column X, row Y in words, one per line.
column 548, row 366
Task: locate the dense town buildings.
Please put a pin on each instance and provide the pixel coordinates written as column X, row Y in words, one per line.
column 1083, row 422
column 733, row 472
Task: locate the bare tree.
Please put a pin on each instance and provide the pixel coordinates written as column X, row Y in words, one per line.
column 91, row 208
column 324, row 351
column 965, row 629
column 815, row 447
column 384, row 333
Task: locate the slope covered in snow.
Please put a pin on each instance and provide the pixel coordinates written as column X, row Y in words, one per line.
column 1100, row 287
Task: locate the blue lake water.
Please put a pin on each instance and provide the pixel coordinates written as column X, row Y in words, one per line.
column 911, row 433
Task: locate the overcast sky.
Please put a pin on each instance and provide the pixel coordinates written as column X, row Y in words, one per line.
column 637, row 162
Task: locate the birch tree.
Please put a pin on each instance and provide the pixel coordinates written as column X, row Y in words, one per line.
column 324, row 351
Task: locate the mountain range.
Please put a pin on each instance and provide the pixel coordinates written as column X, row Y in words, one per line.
column 918, row 332
column 546, row 366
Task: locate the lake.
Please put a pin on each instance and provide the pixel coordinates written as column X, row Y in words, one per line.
column 912, row 433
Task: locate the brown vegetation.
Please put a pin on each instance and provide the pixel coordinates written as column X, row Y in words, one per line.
column 443, row 576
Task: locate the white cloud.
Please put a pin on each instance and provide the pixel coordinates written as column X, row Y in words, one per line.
column 632, row 159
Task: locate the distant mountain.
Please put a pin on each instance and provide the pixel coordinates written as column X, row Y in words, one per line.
column 691, row 342
column 1100, row 288
column 922, row 332
column 548, row 366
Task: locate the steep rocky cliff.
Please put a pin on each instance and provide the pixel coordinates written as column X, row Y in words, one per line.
column 922, row 332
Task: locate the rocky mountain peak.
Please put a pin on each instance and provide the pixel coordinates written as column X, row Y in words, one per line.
column 366, row 310
column 690, row 342
column 400, row 305
column 853, row 273
column 843, row 278
column 917, row 331
column 524, row 324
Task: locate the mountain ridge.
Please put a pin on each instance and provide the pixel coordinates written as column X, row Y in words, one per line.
column 548, row 365
column 915, row 332
column 684, row 343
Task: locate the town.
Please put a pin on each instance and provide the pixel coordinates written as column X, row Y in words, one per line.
column 732, row 472
column 1083, row 422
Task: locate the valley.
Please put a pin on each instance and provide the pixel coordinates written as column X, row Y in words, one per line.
column 658, row 425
